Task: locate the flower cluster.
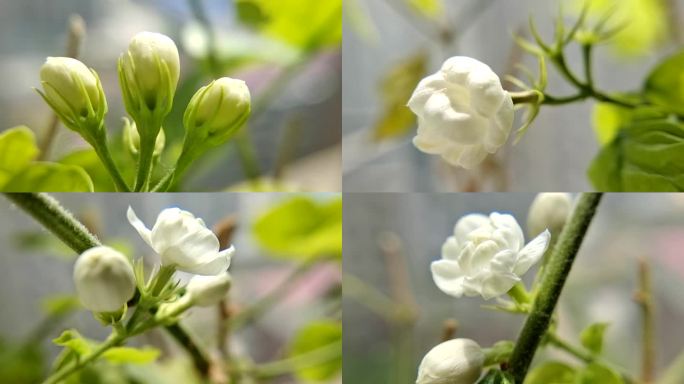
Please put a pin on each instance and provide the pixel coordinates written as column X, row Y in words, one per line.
column 105, row 279
column 148, row 75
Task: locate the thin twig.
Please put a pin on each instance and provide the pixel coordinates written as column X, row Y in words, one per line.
column 449, row 328
column 76, row 32
column 644, row 297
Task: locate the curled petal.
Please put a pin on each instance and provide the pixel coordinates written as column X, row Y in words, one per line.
column 139, row 226
column 448, row 277
column 450, row 249
column 467, row 224
column 505, row 221
column 498, row 284
column 532, row 252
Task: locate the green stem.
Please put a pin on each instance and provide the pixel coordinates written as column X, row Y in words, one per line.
column 113, row 340
column 182, row 337
column 146, row 154
column 50, row 213
column 586, row 60
column 558, row 268
column 102, row 151
column 644, row 297
column 310, row 359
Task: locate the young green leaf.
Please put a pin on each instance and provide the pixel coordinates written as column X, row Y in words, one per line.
column 551, row 372
column 17, row 149
column 307, row 25
column 321, row 340
column 50, row 177
column 644, row 156
column 301, row 228
column 595, row 373
column 592, row 337
column 73, row 340
column 396, row 88
column 90, row 162
column 130, row 355
column 665, row 85
column 59, row 305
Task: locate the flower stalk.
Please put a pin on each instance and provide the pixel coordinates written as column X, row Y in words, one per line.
column 557, row 270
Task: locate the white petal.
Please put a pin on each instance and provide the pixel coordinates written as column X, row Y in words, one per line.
column 498, row 284
column 468, row 157
column 448, row 277
column 139, row 226
column 483, row 255
column 465, row 258
column 532, row 252
column 228, row 253
column 467, row 224
column 450, row 249
column 505, row 221
column 503, row 262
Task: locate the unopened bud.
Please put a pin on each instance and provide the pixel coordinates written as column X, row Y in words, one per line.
column 548, row 211
column 104, row 279
column 457, row 361
column 132, row 138
column 205, row 291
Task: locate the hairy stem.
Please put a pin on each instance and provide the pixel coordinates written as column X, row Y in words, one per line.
column 50, row 213
column 558, row 268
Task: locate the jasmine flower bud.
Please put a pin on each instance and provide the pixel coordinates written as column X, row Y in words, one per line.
column 75, row 94
column 548, row 210
column 463, row 112
column 104, row 279
column 216, row 112
column 148, row 74
column 205, row 291
column 184, row 242
column 132, row 138
column 457, row 361
column 485, row 256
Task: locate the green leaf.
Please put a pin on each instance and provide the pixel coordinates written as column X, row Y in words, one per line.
column 665, row 85
column 495, row 376
column 644, row 24
column 308, row 25
column 130, row 355
column 73, row 340
column 429, row 8
column 90, row 162
column 592, row 337
column 59, row 305
column 499, row 352
column 50, row 177
column 552, row 372
column 321, row 340
column 595, row 373
column 396, row 88
column 17, row 149
column 644, row 156
column 608, row 118
column 301, row 228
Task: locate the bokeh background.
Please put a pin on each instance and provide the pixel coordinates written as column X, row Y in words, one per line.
column 389, row 43
column 390, row 241
column 295, row 129
column 36, row 269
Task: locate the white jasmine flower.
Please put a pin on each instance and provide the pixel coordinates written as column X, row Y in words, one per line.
column 485, row 256
column 104, row 279
column 184, row 241
column 463, row 112
column 205, row 291
column 548, row 210
column 457, row 361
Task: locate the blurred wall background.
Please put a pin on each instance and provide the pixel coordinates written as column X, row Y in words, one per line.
column 599, row 288
column 559, row 146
